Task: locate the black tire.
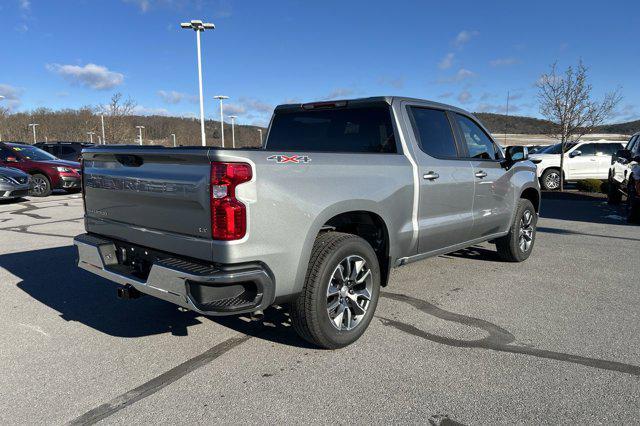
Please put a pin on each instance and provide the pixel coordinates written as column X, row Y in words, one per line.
column 550, row 179
column 614, row 197
column 633, row 204
column 510, row 247
column 309, row 310
column 40, row 186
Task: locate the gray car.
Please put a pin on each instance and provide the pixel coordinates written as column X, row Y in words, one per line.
column 14, row 183
column 341, row 193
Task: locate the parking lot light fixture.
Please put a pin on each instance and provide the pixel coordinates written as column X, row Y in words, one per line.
column 140, row 133
column 233, row 131
column 33, row 125
column 91, row 136
column 199, row 26
column 173, row 135
column 221, row 98
column 260, row 132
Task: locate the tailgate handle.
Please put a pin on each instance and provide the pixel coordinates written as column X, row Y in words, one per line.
column 129, row 160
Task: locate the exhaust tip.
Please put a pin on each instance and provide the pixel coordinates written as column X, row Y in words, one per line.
column 257, row 315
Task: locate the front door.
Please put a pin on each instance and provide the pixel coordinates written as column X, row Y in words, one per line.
column 446, row 181
column 584, row 165
column 494, row 194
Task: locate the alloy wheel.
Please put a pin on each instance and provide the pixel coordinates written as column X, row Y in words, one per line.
column 349, row 293
column 552, row 180
column 38, row 185
column 525, row 238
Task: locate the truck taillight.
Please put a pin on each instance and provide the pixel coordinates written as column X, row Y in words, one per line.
column 228, row 215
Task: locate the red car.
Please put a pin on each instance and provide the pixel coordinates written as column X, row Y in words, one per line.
column 47, row 172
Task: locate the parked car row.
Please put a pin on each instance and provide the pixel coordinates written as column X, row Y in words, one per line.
column 582, row 160
column 44, row 172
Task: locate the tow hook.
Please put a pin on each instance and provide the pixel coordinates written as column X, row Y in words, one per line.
column 128, row 292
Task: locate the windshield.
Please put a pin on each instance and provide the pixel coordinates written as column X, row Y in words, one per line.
column 555, row 149
column 33, row 153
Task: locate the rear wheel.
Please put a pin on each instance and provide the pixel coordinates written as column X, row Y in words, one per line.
column 551, row 179
column 40, row 186
column 517, row 245
column 340, row 292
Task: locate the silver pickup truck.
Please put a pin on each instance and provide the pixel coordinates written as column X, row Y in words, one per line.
column 340, row 193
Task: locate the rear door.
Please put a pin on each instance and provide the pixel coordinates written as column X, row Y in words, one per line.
column 604, row 152
column 446, row 181
column 493, row 199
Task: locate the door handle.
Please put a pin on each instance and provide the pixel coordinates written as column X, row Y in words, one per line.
column 430, row 175
column 481, row 174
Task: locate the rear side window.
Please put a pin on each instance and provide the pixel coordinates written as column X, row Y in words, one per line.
column 433, row 132
column 607, row 148
column 632, row 144
column 478, row 143
column 333, row 130
column 66, row 150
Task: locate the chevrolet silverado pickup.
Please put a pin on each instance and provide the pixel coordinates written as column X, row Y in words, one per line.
column 340, row 193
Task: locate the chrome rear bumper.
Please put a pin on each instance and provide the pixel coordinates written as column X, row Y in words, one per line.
column 206, row 289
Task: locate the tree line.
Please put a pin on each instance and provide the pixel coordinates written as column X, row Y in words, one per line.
column 120, row 121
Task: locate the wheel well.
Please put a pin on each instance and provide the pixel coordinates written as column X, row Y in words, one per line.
column 370, row 227
column 533, row 196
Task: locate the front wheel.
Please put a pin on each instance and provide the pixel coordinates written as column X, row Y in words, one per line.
column 633, row 203
column 340, row 292
column 551, row 179
column 517, row 245
column 40, row 186
column 614, row 197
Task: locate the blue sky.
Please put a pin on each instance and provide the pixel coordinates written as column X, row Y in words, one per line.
column 70, row 53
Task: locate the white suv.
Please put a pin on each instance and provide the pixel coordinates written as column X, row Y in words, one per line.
column 583, row 160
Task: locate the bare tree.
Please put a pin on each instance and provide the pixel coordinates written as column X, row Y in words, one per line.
column 117, row 128
column 565, row 100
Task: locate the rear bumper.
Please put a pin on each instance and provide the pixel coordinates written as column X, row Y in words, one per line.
column 206, row 289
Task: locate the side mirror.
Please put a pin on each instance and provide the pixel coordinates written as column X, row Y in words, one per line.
column 517, row 153
column 12, row 160
column 624, row 153
column 575, row 153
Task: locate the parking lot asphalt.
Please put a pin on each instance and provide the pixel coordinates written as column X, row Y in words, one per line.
column 460, row 338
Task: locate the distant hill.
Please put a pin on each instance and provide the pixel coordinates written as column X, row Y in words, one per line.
column 497, row 123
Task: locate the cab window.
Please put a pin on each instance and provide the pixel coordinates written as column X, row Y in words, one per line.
column 479, row 144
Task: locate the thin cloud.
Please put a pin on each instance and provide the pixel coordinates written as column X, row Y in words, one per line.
column 11, row 95
column 339, row 93
column 173, row 97
column 447, row 61
column 462, row 74
column 25, row 5
column 464, row 37
column 464, row 97
column 497, row 108
column 502, row 62
column 396, row 83
column 142, row 110
column 93, row 76
column 143, row 5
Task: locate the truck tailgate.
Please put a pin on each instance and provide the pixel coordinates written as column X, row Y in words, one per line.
column 131, row 192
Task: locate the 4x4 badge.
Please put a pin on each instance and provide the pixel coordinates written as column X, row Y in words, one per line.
column 280, row 158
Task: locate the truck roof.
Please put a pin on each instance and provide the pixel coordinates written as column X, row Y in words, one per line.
column 373, row 101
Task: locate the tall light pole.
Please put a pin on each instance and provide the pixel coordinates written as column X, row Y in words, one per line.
column 104, row 140
column 233, row 131
column 221, row 98
column 198, row 27
column 173, row 135
column 1, row 98
column 91, row 136
column 34, row 131
column 260, row 131
column 140, row 133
